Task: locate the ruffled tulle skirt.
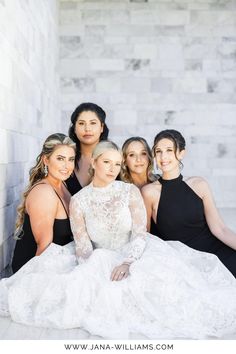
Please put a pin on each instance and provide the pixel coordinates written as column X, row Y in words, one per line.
column 172, row 292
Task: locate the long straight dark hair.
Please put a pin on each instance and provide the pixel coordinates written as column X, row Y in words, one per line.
column 85, row 107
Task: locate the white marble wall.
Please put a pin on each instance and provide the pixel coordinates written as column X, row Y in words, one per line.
column 158, row 64
column 29, row 100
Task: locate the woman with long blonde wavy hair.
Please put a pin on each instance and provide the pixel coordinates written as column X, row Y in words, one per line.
column 43, row 213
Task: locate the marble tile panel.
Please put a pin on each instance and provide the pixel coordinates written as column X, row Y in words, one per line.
column 223, row 5
column 221, row 86
column 103, row 4
column 74, row 67
column 123, row 98
column 169, row 17
column 210, row 66
column 135, row 84
column 228, row 64
column 193, row 65
column 113, row 40
column 137, row 64
column 190, row 83
column 138, row 1
column 108, row 85
column 213, row 18
column 70, row 17
column 161, row 85
column 106, row 64
column 165, row 30
column 69, row 45
column 148, row 116
column 145, row 50
column 83, row 84
column 68, row 5
column 127, row 117
column 105, row 16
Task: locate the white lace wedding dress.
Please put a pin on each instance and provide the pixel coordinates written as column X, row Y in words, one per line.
column 172, row 291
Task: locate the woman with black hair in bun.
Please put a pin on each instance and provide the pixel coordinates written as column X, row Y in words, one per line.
column 87, row 128
column 183, row 209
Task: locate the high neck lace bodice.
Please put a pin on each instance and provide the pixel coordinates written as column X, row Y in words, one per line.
column 108, row 217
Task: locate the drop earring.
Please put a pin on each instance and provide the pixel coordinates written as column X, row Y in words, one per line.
column 45, row 170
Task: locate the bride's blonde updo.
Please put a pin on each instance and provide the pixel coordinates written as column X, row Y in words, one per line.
column 100, row 148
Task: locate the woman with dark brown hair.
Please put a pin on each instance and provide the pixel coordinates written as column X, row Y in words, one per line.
column 87, row 128
column 183, row 209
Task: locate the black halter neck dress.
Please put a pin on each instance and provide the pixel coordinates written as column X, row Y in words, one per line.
column 180, row 217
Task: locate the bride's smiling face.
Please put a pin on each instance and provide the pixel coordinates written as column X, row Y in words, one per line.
column 106, row 167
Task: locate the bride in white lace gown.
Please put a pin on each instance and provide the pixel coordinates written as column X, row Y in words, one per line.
column 116, row 279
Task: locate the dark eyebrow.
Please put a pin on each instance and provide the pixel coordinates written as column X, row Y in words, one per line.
column 90, row 120
column 168, row 147
column 64, row 157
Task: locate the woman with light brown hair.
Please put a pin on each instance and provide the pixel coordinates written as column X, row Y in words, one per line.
column 137, row 166
column 43, row 214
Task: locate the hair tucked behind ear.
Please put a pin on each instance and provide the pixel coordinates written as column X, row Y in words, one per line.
column 37, row 173
column 173, row 135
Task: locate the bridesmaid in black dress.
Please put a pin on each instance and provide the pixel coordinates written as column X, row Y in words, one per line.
column 184, row 209
column 87, row 128
column 137, row 165
column 43, row 214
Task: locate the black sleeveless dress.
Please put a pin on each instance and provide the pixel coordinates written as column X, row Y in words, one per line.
column 73, row 184
column 26, row 247
column 180, row 217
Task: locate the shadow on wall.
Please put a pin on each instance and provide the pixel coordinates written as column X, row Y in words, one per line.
column 12, row 180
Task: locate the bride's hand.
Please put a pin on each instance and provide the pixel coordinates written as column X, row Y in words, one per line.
column 120, row 272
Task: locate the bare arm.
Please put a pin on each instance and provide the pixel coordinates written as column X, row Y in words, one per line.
column 214, row 220
column 41, row 205
column 151, row 195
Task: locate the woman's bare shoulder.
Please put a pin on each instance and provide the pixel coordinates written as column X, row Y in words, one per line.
column 151, row 189
column 41, row 194
column 195, row 180
column 198, row 184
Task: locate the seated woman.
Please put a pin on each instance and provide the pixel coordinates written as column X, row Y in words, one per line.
column 183, row 209
column 127, row 281
column 43, row 213
column 87, row 128
column 137, row 167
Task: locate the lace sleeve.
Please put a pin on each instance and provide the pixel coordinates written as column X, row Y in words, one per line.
column 139, row 224
column 83, row 243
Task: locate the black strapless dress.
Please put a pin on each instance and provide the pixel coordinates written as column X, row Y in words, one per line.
column 73, row 184
column 180, row 217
